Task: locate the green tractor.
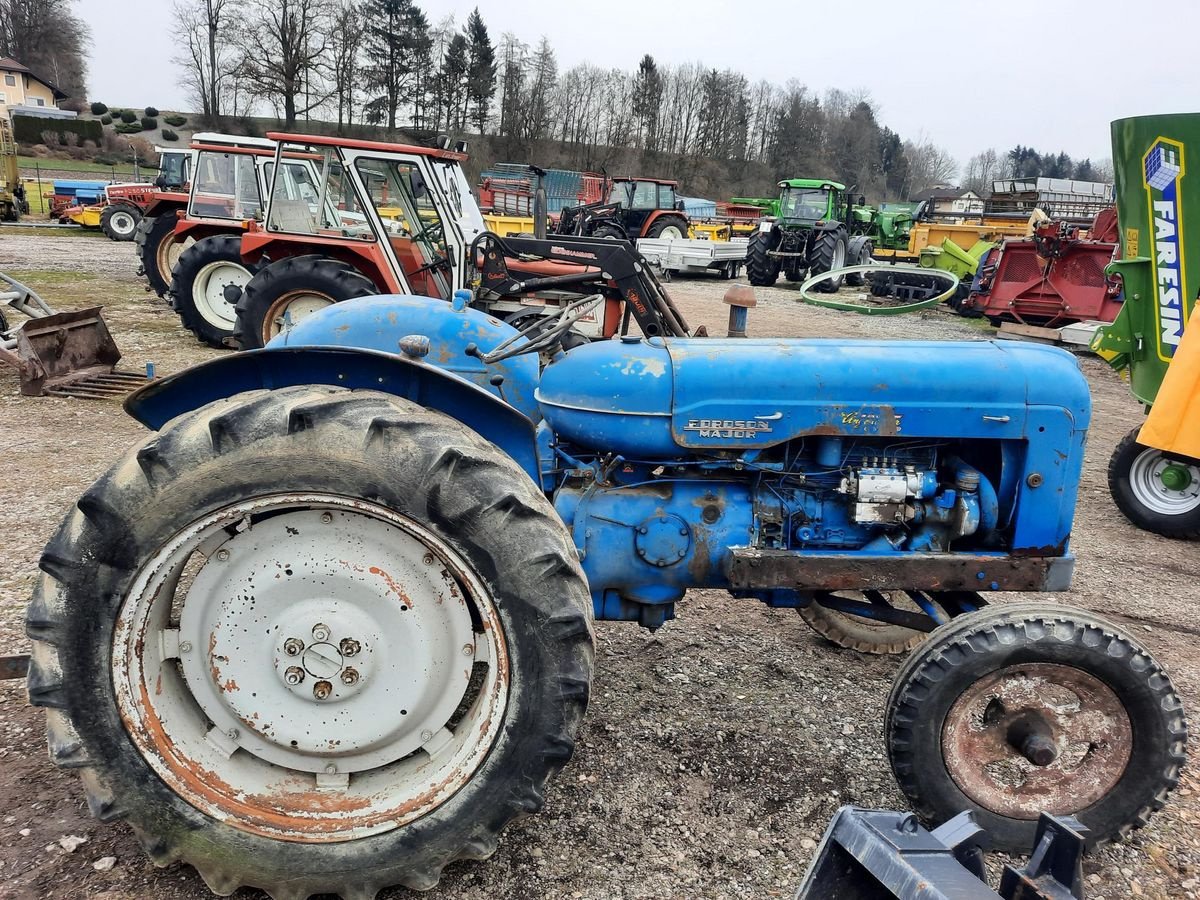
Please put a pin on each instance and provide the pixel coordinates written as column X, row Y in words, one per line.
column 812, row 228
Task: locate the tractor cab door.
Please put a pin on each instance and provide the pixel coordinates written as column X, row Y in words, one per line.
column 643, row 203
column 226, row 186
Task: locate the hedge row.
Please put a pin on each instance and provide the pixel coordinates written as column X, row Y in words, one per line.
column 28, row 129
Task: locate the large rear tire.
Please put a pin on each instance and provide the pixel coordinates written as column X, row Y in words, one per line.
column 828, row 253
column 159, row 250
column 762, row 269
column 1031, row 707
column 1155, row 491
column 286, row 291
column 673, row 228
column 207, row 285
column 380, row 654
column 120, row 221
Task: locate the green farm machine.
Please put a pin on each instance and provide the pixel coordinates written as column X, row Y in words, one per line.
column 1154, row 474
column 814, row 226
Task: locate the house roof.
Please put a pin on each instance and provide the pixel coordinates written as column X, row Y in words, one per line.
column 8, row 64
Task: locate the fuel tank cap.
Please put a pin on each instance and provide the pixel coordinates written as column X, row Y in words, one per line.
column 631, row 339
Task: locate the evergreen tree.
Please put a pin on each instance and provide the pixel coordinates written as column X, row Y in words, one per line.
column 481, row 70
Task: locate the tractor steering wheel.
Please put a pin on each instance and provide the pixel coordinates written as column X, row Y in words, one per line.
column 543, row 332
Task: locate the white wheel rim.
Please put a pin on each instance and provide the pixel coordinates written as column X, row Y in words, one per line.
column 208, row 292
column 277, row 683
column 1145, row 481
column 839, row 256
column 671, row 232
column 294, row 308
column 122, row 223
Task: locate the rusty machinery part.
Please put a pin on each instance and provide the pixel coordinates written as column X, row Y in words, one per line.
column 884, row 622
column 1156, row 491
column 877, row 309
column 286, row 291
column 313, row 692
column 158, row 249
column 870, row 854
column 1032, row 708
column 207, row 284
column 119, row 221
column 66, row 354
column 611, row 268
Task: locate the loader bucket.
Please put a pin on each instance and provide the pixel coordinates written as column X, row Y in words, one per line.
column 69, row 354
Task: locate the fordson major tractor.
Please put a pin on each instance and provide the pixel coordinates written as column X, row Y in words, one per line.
column 813, row 228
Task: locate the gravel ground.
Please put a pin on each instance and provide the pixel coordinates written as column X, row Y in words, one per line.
column 714, row 751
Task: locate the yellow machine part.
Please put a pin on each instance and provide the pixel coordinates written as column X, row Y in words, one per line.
column 507, row 226
column 1173, row 425
column 711, row 231
column 88, row 216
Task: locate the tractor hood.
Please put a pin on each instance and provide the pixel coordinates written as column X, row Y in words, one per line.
column 662, row 399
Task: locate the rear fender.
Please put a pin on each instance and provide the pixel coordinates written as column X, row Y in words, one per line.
column 269, row 369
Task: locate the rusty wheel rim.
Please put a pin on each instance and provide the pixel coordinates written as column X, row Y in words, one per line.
column 170, row 248
column 291, row 309
column 355, row 686
column 1037, row 738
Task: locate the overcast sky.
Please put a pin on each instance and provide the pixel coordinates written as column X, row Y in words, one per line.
column 969, row 75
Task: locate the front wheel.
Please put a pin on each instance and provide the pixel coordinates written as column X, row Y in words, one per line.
column 289, row 290
column 1029, row 708
column 120, row 221
column 1155, row 491
column 207, row 284
column 313, row 641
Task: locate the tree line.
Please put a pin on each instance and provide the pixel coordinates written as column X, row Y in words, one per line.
column 50, row 40
column 1025, row 162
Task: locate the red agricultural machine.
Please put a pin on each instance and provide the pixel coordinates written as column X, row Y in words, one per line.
column 1053, row 278
column 635, row 208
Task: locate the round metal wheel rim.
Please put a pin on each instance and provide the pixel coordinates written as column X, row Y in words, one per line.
column 839, row 256
column 1146, row 481
column 122, row 223
column 310, row 668
column 208, row 292
column 292, row 308
column 1083, row 721
column 671, row 232
column 169, row 251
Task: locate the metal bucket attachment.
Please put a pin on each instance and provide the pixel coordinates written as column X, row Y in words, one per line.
column 870, row 854
column 68, row 353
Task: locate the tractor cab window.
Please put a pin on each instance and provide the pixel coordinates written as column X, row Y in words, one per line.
column 645, row 195
column 297, row 182
column 619, row 193
column 405, row 203
column 226, row 187
column 800, row 203
column 326, row 207
column 173, row 170
column 666, row 196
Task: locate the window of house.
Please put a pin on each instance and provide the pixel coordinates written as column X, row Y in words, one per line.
column 3, row 97
column 39, row 101
column 10, row 80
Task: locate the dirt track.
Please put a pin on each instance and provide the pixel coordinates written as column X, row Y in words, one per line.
column 714, row 750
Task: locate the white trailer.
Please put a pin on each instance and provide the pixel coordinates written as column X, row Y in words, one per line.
column 689, row 256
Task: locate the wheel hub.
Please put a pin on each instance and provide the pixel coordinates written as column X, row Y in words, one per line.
column 1044, row 737
column 1175, row 477
column 1165, row 486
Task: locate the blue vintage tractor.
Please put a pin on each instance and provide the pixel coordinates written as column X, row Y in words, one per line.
column 329, row 628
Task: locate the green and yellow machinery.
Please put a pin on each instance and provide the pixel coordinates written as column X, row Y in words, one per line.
column 1154, row 474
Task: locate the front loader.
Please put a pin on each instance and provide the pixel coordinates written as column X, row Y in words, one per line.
column 329, row 628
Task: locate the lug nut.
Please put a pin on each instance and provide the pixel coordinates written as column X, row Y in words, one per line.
column 293, row 675
column 349, row 647
column 326, row 518
column 185, row 647
column 222, row 555
column 427, row 559
column 322, row 690
column 468, row 649
column 321, row 632
column 349, row 676
column 293, row 646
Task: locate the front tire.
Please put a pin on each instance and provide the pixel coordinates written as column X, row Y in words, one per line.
column 207, row 284
column 762, row 269
column 1030, row 708
column 288, row 290
column 828, row 253
column 1155, row 491
column 316, row 531
column 120, row 221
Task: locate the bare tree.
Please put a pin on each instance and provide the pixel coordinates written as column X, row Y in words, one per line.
column 345, row 42
column 928, row 165
column 283, row 45
column 200, row 33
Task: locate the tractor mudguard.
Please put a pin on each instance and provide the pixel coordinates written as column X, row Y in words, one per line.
column 279, row 367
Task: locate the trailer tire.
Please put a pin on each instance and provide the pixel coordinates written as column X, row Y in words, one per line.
column 828, row 253
column 158, row 250
column 675, row 224
column 1136, row 480
column 957, row 699
column 404, row 477
column 289, row 289
column 762, row 270
column 207, row 285
column 859, row 252
column 120, row 221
